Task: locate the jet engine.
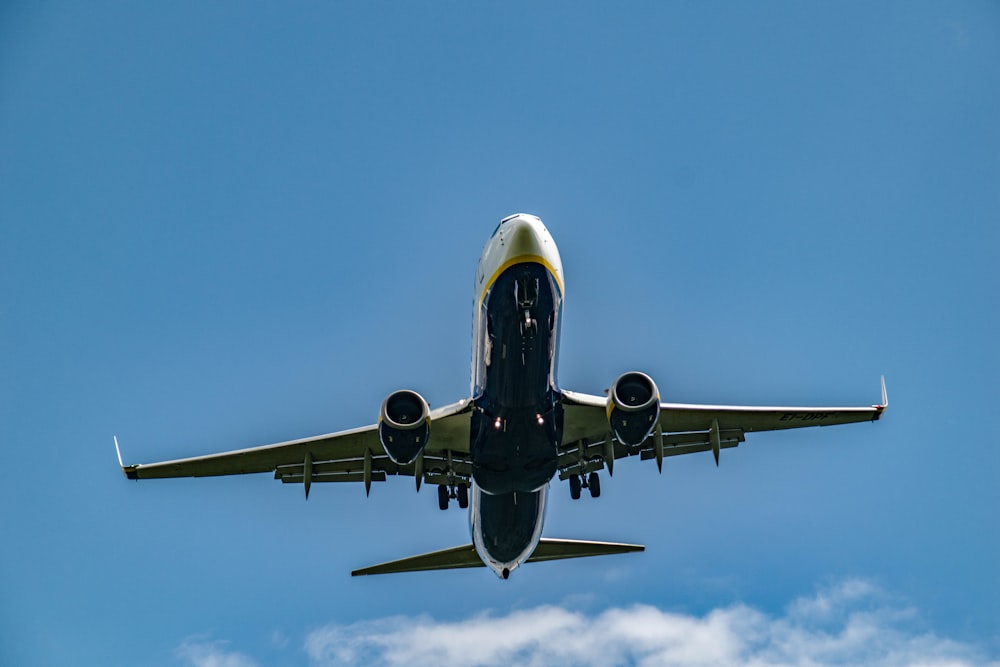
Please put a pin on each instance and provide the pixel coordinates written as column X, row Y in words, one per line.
column 633, row 408
column 404, row 425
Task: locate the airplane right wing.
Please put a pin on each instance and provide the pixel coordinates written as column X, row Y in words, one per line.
column 355, row 455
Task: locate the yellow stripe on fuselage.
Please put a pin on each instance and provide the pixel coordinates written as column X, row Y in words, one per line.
column 521, row 259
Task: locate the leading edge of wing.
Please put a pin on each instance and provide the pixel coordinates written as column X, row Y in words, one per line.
column 689, row 416
column 590, row 400
column 586, row 418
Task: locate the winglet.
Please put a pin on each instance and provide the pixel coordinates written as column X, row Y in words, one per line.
column 885, row 402
column 129, row 471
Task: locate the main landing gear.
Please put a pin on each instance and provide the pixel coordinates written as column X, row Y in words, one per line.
column 459, row 492
column 578, row 482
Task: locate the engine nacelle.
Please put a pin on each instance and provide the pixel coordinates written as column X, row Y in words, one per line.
column 404, row 425
column 633, row 408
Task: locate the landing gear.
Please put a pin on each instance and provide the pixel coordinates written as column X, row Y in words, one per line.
column 526, row 296
column 460, row 492
column 579, row 482
column 594, row 484
column 574, row 487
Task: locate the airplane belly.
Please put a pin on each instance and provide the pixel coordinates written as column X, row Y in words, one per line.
column 517, row 426
column 520, row 455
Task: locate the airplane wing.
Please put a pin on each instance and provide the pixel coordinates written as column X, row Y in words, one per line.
column 684, row 429
column 355, row 455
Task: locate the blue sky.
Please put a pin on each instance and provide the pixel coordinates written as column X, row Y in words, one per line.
column 225, row 224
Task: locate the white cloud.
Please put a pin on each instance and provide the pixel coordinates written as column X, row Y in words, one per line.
column 847, row 624
column 833, row 599
column 203, row 653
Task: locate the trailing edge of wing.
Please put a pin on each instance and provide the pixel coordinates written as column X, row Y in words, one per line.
column 466, row 556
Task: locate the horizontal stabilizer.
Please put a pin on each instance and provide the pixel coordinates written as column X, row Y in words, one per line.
column 466, row 556
column 445, row 559
column 559, row 549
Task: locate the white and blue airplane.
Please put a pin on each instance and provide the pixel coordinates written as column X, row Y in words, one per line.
column 498, row 451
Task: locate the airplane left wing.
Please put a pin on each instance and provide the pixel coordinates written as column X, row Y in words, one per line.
column 684, row 428
column 355, row 455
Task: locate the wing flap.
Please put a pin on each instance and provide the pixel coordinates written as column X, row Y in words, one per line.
column 647, row 454
column 574, row 461
column 377, row 476
column 434, row 466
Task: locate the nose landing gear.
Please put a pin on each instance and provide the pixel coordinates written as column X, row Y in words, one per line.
column 526, row 297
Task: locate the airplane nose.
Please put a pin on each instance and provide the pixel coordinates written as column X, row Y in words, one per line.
column 523, row 238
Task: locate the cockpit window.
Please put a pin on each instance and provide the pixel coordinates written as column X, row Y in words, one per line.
column 500, row 224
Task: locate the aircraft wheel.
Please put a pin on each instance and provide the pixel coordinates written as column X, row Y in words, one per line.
column 594, row 484
column 443, row 496
column 463, row 496
column 574, row 487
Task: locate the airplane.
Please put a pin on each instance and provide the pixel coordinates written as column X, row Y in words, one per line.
column 498, row 451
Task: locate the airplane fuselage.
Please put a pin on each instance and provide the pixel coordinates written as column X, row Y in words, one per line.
column 516, row 427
